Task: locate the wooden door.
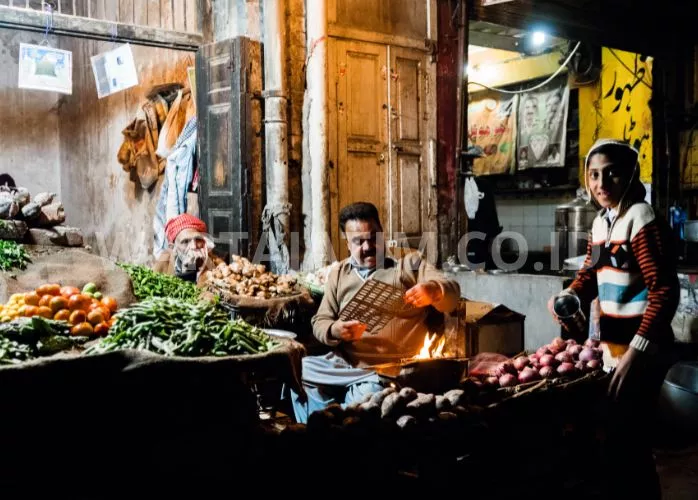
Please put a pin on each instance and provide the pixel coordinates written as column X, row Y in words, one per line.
column 358, row 110
column 225, row 135
column 409, row 180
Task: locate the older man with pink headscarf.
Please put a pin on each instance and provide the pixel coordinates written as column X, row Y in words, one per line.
column 191, row 249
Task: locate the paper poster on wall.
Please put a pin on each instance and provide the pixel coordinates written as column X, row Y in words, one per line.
column 45, row 68
column 114, row 71
column 492, row 126
column 542, row 129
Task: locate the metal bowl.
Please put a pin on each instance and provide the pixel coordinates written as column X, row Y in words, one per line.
column 678, row 402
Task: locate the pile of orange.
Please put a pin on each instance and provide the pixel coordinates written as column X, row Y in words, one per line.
column 85, row 314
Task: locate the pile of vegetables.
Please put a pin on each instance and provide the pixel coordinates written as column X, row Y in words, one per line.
column 175, row 327
column 242, row 277
column 318, row 277
column 12, row 255
column 560, row 358
column 148, row 283
column 23, row 339
column 85, row 311
column 404, row 408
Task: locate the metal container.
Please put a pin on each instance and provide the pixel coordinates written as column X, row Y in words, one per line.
column 690, row 231
column 678, row 403
column 573, row 222
column 568, row 309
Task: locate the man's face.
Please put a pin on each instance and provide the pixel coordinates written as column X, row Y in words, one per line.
column 530, row 111
column 361, row 241
column 191, row 248
column 553, row 104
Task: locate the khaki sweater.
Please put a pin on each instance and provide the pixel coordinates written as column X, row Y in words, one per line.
column 401, row 337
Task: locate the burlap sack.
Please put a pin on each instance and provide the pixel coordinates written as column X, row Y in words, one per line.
column 71, row 267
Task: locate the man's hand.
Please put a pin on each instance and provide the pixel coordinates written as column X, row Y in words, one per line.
column 627, row 372
column 424, row 294
column 348, row 331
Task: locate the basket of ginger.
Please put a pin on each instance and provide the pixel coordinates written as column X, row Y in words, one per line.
column 86, row 311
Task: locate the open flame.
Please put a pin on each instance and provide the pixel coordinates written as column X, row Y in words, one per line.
column 432, row 348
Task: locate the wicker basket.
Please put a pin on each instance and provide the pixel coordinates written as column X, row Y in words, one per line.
column 284, row 313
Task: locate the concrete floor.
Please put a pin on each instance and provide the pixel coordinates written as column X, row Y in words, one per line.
column 678, row 473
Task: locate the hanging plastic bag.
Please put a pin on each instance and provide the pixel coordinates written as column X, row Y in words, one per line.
column 472, row 197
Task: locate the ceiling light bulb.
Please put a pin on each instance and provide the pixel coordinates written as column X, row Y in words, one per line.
column 538, row 38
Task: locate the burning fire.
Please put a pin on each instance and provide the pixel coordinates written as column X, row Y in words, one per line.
column 429, row 350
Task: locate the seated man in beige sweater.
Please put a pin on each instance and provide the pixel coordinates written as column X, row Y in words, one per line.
column 344, row 375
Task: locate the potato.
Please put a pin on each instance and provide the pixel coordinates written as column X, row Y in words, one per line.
column 391, row 404
column 406, row 422
column 379, row 396
column 423, row 406
column 455, row 396
column 442, row 403
column 408, row 394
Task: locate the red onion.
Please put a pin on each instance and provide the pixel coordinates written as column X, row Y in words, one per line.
column 504, row 368
column 564, row 357
column 566, row 369
column 508, row 380
column 535, row 363
column 554, row 349
column 571, row 342
column 528, row 375
column 548, row 360
column 591, row 343
column 521, row 362
column 594, row 364
column 587, row 354
column 574, row 350
column 559, row 343
column 491, row 381
column 581, row 366
column 542, row 351
column 547, row 372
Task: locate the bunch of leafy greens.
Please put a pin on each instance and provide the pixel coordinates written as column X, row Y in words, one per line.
column 12, row 256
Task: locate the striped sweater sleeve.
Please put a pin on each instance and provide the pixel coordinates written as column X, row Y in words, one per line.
column 585, row 284
column 658, row 267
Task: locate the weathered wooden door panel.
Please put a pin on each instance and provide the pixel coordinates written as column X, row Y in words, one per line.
column 359, row 100
column 408, row 172
column 224, row 134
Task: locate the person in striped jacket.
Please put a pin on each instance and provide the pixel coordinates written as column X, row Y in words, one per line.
column 631, row 267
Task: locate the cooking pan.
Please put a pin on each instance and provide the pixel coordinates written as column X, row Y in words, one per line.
column 431, row 375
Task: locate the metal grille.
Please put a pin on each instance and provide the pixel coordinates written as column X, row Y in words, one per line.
column 375, row 304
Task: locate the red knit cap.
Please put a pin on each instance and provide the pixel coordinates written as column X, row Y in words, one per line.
column 178, row 224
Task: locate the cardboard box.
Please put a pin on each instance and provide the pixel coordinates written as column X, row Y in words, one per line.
column 491, row 328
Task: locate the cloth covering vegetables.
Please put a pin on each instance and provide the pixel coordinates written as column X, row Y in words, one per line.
column 174, row 327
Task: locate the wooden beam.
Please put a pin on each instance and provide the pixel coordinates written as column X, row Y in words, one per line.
column 96, row 29
column 494, row 41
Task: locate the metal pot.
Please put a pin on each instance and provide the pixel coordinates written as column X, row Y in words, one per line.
column 678, row 403
column 572, row 224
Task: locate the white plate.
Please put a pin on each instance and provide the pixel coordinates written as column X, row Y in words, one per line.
column 284, row 334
